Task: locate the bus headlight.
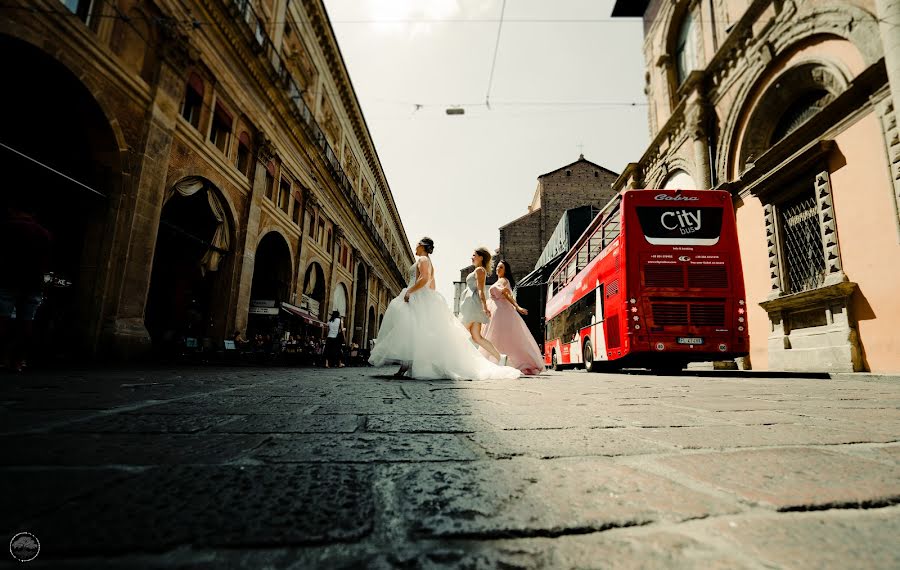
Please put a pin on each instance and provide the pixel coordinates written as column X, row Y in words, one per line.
column 723, row 347
column 660, row 346
column 741, row 329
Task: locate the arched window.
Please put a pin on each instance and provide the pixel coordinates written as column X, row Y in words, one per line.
column 686, row 49
column 800, row 110
column 679, row 179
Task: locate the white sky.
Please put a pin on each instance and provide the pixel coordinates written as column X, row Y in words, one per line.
column 458, row 179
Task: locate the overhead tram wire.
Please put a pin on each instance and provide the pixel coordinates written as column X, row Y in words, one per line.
column 53, row 170
column 198, row 23
column 487, row 97
column 238, row 85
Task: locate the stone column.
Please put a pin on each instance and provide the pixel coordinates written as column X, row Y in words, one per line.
column 337, row 236
column 889, row 16
column 309, row 203
column 246, row 240
column 125, row 334
column 700, row 140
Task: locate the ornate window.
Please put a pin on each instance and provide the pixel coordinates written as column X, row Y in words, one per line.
column 220, row 131
column 686, row 49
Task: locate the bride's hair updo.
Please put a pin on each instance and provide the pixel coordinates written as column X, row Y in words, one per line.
column 428, row 244
column 485, row 256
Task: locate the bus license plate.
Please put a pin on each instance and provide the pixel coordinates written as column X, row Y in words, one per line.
column 689, row 340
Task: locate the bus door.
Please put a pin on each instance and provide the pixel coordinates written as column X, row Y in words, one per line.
column 598, row 338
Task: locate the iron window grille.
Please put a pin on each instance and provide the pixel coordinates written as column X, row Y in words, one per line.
column 802, row 251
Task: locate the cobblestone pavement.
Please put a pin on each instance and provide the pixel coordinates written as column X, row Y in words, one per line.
column 302, row 468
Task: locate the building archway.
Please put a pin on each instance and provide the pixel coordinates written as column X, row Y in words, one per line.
column 791, row 99
column 272, row 269
column 188, row 284
column 359, row 304
column 370, row 333
column 61, row 163
column 313, row 298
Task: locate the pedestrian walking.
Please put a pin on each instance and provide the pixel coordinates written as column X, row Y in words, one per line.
column 25, row 254
column 334, row 343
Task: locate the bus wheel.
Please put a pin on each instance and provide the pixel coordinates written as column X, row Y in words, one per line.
column 589, row 357
column 555, row 362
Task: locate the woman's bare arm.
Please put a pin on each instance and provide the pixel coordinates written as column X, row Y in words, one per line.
column 507, row 294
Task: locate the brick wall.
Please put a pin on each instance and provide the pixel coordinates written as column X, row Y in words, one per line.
column 521, row 244
column 579, row 184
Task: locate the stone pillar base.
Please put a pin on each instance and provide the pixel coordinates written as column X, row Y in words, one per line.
column 126, row 339
column 814, row 331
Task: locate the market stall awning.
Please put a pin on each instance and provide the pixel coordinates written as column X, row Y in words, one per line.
column 303, row 314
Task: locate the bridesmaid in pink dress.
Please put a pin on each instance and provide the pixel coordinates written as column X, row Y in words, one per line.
column 506, row 329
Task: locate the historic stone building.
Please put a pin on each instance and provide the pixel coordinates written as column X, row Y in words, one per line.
column 195, row 155
column 792, row 106
column 581, row 183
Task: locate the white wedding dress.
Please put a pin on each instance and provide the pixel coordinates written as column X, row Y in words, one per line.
column 425, row 335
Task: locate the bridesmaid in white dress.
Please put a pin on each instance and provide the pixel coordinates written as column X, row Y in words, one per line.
column 473, row 311
column 421, row 333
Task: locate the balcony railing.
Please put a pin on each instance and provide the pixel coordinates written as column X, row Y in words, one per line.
column 259, row 38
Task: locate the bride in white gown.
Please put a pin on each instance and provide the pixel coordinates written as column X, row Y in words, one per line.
column 421, row 333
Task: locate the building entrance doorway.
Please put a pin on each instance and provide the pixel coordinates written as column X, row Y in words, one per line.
column 60, row 163
column 187, row 301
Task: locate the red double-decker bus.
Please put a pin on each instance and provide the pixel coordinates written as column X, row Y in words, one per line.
column 654, row 282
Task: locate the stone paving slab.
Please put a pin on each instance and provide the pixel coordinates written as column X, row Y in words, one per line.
column 18, row 421
column 723, row 437
column 425, row 424
column 252, row 506
column 665, row 418
column 290, row 423
column 29, row 493
column 402, row 407
column 364, row 448
column 576, row 442
column 837, row 539
column 146, row 423
column 538, row 498
column 217, row 405
column 531, row 419
column 807, row 479
column 119, row 449
column 560, row 471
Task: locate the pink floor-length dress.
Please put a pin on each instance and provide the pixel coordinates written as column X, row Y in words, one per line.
column 509, row 333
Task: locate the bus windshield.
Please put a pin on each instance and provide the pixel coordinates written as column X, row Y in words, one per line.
column 680, row 225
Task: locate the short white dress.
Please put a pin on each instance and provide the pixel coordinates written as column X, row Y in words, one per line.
column 424, row 334
column 470, row 308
